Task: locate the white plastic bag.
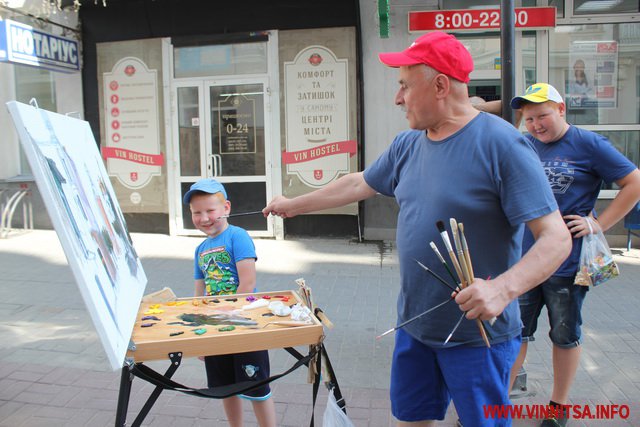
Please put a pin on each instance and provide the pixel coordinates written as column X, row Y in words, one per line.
column 596, row 260
column 333, row 415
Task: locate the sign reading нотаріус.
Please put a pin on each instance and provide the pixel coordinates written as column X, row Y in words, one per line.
column 23, row 44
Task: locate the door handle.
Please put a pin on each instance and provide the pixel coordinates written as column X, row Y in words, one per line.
column 216, row 160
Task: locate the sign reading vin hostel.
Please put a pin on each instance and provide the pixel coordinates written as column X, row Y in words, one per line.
column 22, row 44
column 317, row 117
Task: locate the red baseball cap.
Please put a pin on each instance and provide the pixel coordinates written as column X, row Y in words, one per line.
column 438, row 50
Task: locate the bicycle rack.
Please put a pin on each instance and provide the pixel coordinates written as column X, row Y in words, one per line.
column 8, row 209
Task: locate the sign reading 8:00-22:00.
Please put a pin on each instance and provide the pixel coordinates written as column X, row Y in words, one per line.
column 480, row 19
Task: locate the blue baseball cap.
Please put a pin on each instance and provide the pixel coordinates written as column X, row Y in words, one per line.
column 207, row 185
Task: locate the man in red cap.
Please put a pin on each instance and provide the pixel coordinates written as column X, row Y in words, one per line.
column 457, row 163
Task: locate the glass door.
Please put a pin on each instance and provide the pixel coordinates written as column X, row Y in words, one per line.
column 188, row 150
column 238, row 148
column 222, row 131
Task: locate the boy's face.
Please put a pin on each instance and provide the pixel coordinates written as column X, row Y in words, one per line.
column 206, row 210
column 545, row 121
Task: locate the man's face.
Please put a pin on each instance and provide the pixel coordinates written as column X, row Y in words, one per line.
column 415, row 95
column 545, row 121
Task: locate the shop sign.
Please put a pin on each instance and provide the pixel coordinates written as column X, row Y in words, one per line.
column 22, row 44
column 528, row 18
column 317, row 117
column 237, row 121
column 132, row 142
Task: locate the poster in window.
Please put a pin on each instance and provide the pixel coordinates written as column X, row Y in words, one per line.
column 318, row 147
column 132, row 125
column 593, row 75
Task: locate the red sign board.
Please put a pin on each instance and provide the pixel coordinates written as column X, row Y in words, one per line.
column 480, row 19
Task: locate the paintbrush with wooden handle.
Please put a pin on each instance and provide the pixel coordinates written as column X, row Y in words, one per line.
column 452, row 255
column 462, row 271
column 465, row 248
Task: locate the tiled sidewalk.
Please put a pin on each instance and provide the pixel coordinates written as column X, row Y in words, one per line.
column 53, row 370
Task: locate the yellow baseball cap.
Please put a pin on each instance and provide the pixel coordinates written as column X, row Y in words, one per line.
column 537, row 93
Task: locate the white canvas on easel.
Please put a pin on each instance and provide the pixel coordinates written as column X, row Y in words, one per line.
column 76, row 190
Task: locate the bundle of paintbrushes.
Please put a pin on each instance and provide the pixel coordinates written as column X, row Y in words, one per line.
column 464, row 271
column 305, row 295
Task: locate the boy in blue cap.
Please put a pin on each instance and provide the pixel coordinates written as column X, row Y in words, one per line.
column 225, row 265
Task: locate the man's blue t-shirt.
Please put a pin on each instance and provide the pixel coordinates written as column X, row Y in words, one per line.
column 576, row 165
column 487, row 177
column 216, row 258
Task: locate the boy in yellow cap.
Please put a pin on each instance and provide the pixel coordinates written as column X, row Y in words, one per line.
column 576, row 162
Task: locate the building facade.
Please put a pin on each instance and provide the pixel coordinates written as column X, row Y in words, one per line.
column 282, row 98
column 40, row 62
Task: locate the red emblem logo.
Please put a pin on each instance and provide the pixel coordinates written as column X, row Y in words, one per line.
column 315, row 59
column 115, row 111
column 134, row 176
column 115, row 137
column 113, row 85
column 114, row 99
column 129, row 70
column 317, row 174
column 115, row 124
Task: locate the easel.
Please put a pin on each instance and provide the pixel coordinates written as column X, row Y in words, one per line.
column 151, row 344
column 163, row 381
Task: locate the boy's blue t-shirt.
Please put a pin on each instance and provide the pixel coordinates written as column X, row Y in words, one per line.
column 576, row 165
column 487, row 177
column 216, row 258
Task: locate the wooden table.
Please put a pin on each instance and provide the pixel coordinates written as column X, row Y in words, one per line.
column 166, row 339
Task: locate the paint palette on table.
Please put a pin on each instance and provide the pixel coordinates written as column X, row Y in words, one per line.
column 254, row 329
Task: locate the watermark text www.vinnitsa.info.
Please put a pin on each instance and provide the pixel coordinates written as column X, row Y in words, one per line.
column 578, row 412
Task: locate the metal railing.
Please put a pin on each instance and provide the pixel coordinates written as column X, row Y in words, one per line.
column 9, row 202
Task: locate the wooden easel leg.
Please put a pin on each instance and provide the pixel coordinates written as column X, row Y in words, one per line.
column 126, row 378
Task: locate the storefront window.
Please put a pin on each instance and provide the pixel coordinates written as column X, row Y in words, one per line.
column 559, row 5
column 484, row 48
column 220, row 60
column 596, row 68
column 597, row 7
column 38, row 84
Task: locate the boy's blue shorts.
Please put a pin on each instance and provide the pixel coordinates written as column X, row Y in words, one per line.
column 564, row 304
column 424, row 380
column 232, row 368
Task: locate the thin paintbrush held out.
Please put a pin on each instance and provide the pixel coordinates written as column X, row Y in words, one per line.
column 437, row 276
column 240, row 214
column 455, row 328
column 448, row 285
column 406, row 322
column 444, row 263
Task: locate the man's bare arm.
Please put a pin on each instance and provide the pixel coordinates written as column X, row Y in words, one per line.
column 347, row 189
